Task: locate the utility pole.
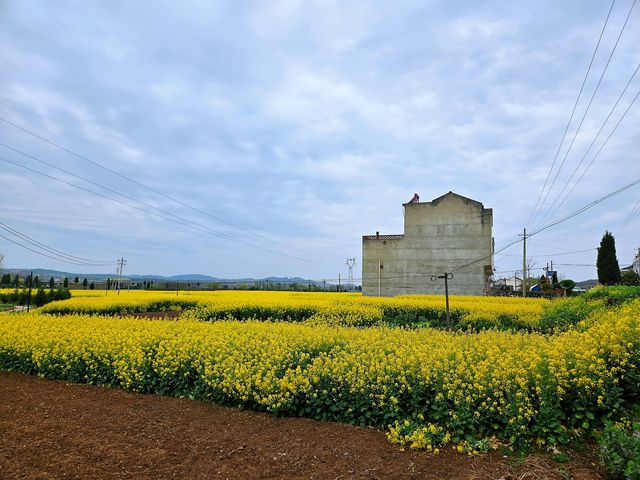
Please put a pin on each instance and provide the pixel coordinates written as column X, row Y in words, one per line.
column 379, row 277
column 524, row 262
column 351, row 262
column 339, row 279
column 324, row 286
column 29, row 297
column 121, row 263
column 446, row 277
column 177, row 287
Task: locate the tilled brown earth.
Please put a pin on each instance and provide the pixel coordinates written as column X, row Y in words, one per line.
column 52, row 429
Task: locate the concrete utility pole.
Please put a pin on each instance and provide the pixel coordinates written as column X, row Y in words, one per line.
column 339, row 280
column 524, row 263
column 379, row 277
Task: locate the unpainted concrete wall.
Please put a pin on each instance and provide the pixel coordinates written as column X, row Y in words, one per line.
column 438, row 236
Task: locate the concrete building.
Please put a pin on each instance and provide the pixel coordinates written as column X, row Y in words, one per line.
column 439, row 236
column 635, row 266
column 513, row 283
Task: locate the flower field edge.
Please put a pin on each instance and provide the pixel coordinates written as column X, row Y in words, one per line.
column 429, row 387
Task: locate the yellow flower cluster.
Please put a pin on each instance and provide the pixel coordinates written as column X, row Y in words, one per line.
column 440, row 386
column 333, row 308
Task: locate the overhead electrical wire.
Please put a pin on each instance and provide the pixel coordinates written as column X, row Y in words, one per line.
column 634, row 211
column 573, row 111
column 49, row 164
column 551, row 211
column 57, row 258
column 584, row 115
column 535, row 232
column 551, row 254
column 599, row 150
column 51, row 250
column 554, row 223
column 586, row 207
column 186, row 223
column 152, row 189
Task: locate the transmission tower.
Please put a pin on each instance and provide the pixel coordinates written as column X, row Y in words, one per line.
column 351, row 262
column 121, row 264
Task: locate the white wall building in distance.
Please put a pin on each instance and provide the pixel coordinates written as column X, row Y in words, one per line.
column 439, row 236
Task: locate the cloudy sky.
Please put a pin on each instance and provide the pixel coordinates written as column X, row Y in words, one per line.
column 253, row 139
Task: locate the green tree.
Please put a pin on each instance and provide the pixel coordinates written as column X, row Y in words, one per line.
column 36, row 282
column 16, row 281
column 85, row 282
column 92, row 286
column 65, row 283
column 76, row 280
column 108, row 284
column 27, row 281
column 52, row 282
column 40, row 297
column 607, row 263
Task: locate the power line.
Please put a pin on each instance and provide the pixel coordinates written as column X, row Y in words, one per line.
column 188, row 224
column 588, row 106
column 552, row 224
column 573, row 111
column 222, row 235
column 140, row 184
column 550, row 254
column 51, row 250
column 50, row 125
column 575, row 264
column 600, row 149
column 587, row 207
column 518, row 240
column 634, row 211
column 57, row 258
column 549, row 212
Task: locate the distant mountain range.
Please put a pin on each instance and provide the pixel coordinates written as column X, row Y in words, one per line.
column 587, row 283
column 45, row 274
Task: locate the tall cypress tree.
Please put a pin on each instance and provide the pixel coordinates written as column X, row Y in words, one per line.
column 608, row 268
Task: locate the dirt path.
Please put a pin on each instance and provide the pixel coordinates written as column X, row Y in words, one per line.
column 51, row 429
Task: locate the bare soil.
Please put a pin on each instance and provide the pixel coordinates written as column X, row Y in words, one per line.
column 54, row 430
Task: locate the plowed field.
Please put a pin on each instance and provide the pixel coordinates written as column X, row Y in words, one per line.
column 52, row 429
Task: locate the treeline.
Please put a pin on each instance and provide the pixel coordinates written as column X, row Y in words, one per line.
column 38, row 298
column 9, row 281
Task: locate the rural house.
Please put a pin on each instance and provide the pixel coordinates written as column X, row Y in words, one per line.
column 441, row 235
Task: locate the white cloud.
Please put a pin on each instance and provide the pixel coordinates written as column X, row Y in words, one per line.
column 310, row 122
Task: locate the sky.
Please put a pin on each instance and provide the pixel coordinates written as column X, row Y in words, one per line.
column 259, row 139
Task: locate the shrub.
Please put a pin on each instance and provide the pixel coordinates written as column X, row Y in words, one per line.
column 38, row 298
column 620, row 450
column 630, row 278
